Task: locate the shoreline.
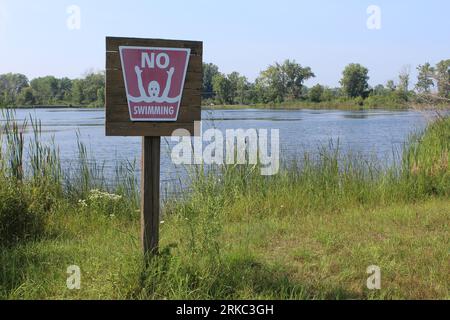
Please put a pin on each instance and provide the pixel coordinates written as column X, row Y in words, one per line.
column 230, row 107
column 283, row 106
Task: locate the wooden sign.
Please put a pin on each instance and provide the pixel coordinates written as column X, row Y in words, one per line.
column 153, row 60
column 153, row 87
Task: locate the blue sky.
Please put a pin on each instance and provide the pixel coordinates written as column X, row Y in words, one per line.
column 243, row 35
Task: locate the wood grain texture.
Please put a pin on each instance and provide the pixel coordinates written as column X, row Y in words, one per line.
column 117, row 118
column 150, row 163
column 113, row 43
column 146, row 129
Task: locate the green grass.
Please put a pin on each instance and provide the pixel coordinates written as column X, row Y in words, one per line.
column 284, row 256
column 309, row 232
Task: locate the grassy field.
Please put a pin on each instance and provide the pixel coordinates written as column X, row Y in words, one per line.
column 309, row 232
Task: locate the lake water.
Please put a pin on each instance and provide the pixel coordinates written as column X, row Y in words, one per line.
column 371, row 133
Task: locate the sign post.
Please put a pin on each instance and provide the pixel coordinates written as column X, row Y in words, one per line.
column 153, row 87
column 150, row 174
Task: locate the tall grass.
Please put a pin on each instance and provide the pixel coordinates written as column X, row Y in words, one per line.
column 13, row 153
column 333, row 179
column 33, row 181
column 426, row 160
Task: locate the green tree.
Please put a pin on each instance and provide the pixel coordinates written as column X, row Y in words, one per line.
column 89, row 90
column 293, row 75
column 10, row 86
column 223, row 88
column 403, row 83
column 77, row 91
column 91, row 84
column 45, row 89
column 241, row 88
column 425, row 78
column 64, row 90
column 209, row 71
column 100, row 98
column 354, row 80
column 315, row 94
column 6, row 99
column 390, row 85
column 329, row 94
column 234, row 80
column 26, row 97
column 379, row 90
column 442, row 76
column 281, row 81
column 243, row 91
column 270, row 85
column 403, row 79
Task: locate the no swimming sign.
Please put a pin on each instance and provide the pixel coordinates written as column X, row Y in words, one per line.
column 153, row 86
column 154, row 81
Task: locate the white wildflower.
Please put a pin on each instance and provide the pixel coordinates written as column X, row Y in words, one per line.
column 82, row 203
column 96, row 194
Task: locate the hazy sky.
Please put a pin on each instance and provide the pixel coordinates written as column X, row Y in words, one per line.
column 243, row 35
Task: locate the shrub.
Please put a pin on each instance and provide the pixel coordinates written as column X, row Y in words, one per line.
column 18, row 222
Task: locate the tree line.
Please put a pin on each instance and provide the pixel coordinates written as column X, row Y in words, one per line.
column 284, row 82
column 278, row 83
column 17, row 90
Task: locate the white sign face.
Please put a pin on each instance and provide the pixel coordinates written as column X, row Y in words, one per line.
column 154, row 81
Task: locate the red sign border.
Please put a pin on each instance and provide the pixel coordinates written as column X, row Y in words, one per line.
column 188, row 50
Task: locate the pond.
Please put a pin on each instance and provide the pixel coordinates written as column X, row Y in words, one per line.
column 372, row 133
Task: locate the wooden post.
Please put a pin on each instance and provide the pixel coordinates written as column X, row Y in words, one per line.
column 150, row 171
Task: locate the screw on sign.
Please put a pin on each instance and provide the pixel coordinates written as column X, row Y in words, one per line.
column 153, row 87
